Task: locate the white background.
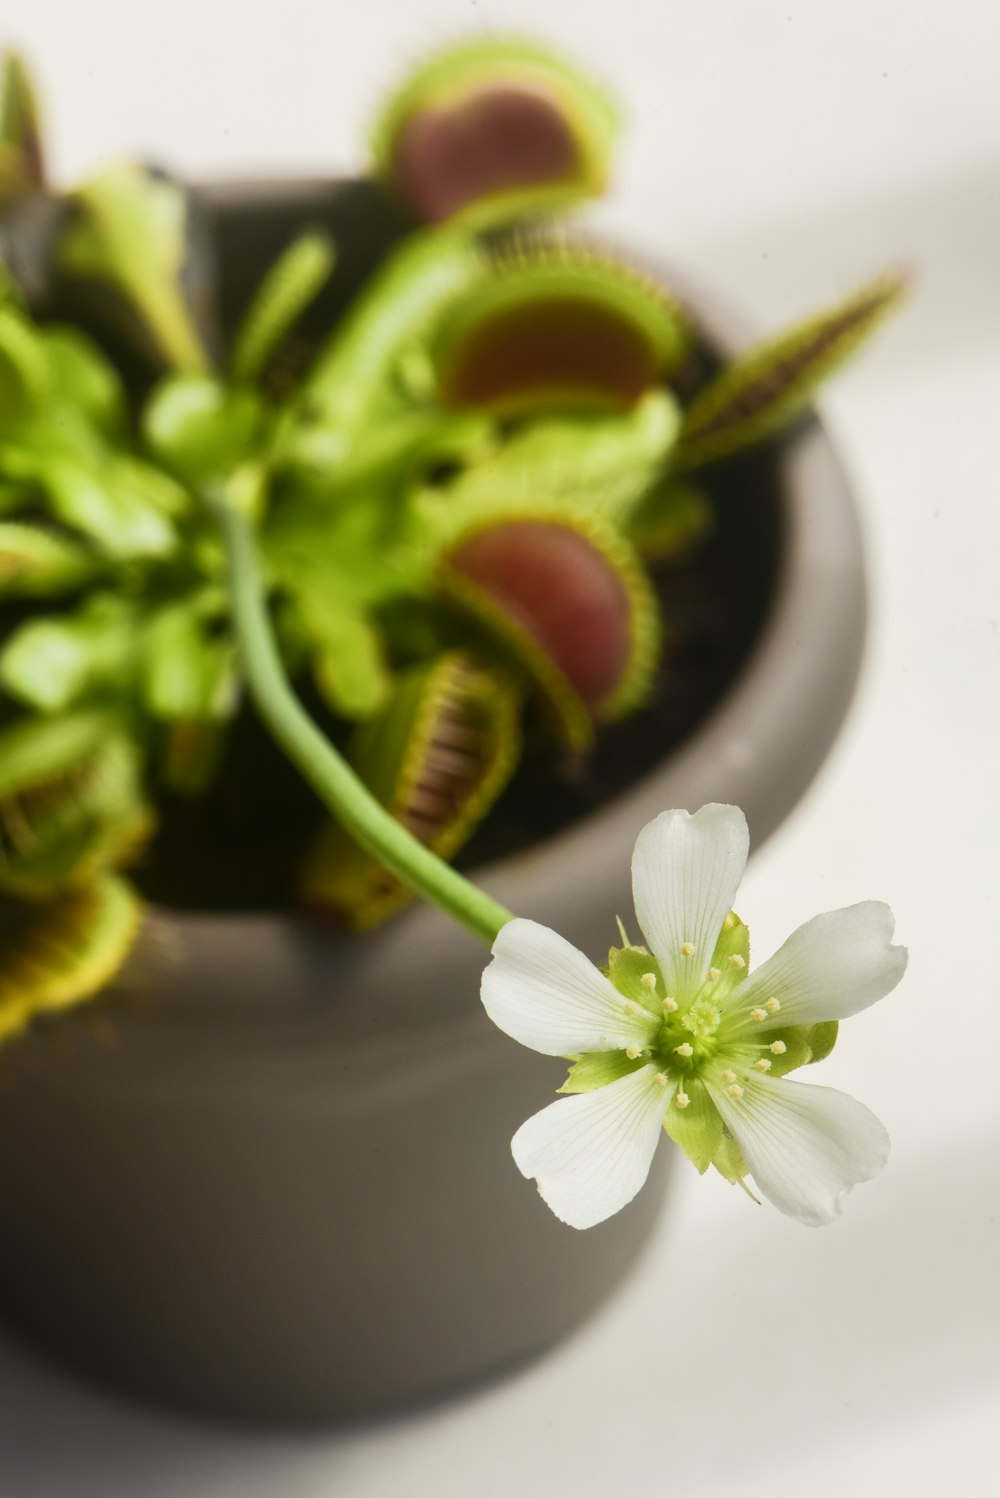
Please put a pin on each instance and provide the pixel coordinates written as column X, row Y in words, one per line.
column 777, row 152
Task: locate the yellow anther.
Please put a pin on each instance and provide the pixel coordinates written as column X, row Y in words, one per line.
column 681, row 1099
column 737, row 961
column 648, row 980
column 778, row 1047
column 633, row 1052
column 758, row 1014
column 714, row 973
column 670, row 1005
column 688, row 948
column 762, row 1065
column 660, row 1079
column 773, row 1005
column 684, row 1050
column 736, row 1091
column 728, row 1075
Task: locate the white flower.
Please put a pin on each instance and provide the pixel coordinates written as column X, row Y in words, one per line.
column 681, row 1036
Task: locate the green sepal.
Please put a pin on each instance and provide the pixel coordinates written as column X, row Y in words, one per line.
column 729, row 1162
column 57, row 954
column 766, row 388
column 521, row 635
column 36, row 563
column 733, row 943
column 198, row 427
column 437, row 757
column 804, row 1045
column 71, row 802
column 822, row 1039
column 293, row 281
column 670, row 518
column 626, row 969
column 128, row 231
column 22, row 157
column 597, row 1069
column 49, row 663
column 557, row 327
column 451, row 82
column 697, row 1129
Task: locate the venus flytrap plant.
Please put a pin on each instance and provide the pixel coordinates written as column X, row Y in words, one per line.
column 427, row 546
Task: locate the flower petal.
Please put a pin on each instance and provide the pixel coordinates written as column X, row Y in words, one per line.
column 830, row 968
column 549, row 996
column 591, row 1153
column 804, row 1146
column 685, row 874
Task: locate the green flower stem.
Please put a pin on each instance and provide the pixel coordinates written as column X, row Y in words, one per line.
column 354, row 806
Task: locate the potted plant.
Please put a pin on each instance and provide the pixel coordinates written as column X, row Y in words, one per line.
column 455, row 489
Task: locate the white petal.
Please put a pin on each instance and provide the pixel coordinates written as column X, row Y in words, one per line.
column 830, row 968
column 591, row 1153
column 549, row 996
column 685, row 874
column 804, row 1146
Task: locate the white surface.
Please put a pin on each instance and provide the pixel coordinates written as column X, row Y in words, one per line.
column 779, row 151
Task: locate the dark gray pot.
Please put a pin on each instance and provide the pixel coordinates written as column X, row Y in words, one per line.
column 279, row 1184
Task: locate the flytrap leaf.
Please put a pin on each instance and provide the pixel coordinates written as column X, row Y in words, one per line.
column 200, row 428
column 493, row 129
column 51, row 662
column 294, row 280
column 557, row 327
column 35, row 563
column 59, row 953
column 71, row 802
column 437, row 757
column 567, row 601
column 22, row 157
column 598, row 465
column 773, row 383
column 128, row 233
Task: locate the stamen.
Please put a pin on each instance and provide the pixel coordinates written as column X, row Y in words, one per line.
column 633, row 1052
column 648, row 980
column 762, row 1065
column 737, row 961
column 660, row 1079
column 778, row 1047
column 773, row 1005
column 728, row 1075
column 630, row 1008
column 736, row 1092
column 684, row 1050
column 758, row 1014
column 688, row 948
column 713, row 973
column 681, row 1099
column 669, row 1004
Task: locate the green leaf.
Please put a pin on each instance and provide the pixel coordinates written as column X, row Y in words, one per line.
column 115, row 501
column 24, row 373
column 602, row 465
column 128, row 231
column 295, row 279
column 493, row 129
column 199, row 428
column 437, row 757
column 697, row 1129
column 345, row 651
column 773, row 383
column 22, row 158
column 58, row 954
column 187, row 672
column 50, row 663
column 82, row 378
column 35, row 563
column 671, row 517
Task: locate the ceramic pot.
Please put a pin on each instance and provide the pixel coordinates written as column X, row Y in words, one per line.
column 277, row 1183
